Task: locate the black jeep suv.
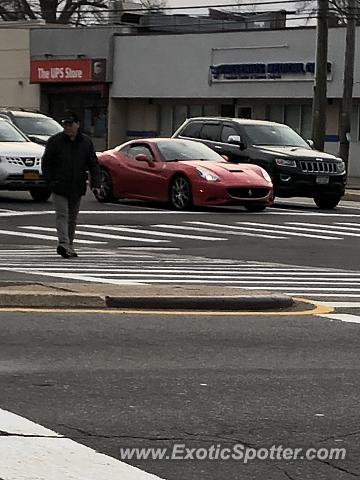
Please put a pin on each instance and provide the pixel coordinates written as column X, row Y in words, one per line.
column 295, row 168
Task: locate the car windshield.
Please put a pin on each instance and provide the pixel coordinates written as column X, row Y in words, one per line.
column 187, row 150
column 38, row 125
column 278, row 135
column 8, row 133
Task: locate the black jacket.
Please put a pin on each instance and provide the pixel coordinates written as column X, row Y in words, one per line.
column 65, row 163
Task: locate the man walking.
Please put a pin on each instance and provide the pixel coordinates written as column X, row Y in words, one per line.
column 67, row 158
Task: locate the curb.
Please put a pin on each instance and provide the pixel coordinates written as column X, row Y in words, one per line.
column 222, row 303
column 352, row 197
column 201, row 302
column 24, row 300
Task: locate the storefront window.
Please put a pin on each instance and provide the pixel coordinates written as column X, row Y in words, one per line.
column 306, row 121
column 195, row 110
column 179, row 115
column 211, row 110
column 292, row 117
column 275, row 113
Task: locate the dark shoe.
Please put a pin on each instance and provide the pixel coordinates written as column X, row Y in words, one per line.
column 72, row 252
column 62, row 251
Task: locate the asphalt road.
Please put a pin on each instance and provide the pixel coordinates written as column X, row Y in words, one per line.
column 294, row 231
column 292, row 248
column 120, row 381
column 112, row 382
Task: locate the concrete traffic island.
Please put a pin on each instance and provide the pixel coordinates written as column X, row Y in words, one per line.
column 152, row 297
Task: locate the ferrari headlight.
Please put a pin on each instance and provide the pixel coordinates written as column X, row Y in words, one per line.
column 265, row 174
column 340, row 166
column 206, row 175
column 285, row 162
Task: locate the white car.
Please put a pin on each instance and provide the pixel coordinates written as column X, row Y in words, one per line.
column 20, row 163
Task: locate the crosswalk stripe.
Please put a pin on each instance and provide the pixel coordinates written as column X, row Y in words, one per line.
column 122, row 228
column 342, row 317
column 30, row 451
column 41, row 237
column 101, row 235
column 213, row 230
column 119, row 267
column 285, row 230
column 324, row 228
column 253, row 226
column 357, row 225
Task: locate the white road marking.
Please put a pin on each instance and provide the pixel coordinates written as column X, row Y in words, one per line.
column 272, row 229
column 33, row 452
column 357, row 225
column 101, row 235
column 284, row 230
column 342, row 317
column 42, row 237
column 213, row 230
column 120, row 267
column 340, row 304
column 304, row 213
column 122, row 228
column 324, row 228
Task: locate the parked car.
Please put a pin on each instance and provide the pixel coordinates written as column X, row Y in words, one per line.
column 183, row 173
column 20, row 163
column 295, row 168
column 36, row 126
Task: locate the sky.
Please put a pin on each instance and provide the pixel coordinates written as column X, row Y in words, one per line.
column 289, row 6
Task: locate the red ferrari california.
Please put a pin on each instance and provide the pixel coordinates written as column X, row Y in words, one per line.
column 183, row 173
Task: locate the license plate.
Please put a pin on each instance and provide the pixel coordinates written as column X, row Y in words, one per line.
column 324, row 180
column 31, row 175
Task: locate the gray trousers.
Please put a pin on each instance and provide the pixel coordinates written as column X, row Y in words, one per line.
column 66, row 210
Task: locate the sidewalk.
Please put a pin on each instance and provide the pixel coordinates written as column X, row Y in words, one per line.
column 152, row 297
column 352, row 192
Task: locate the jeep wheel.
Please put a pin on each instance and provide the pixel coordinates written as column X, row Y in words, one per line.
column 255, row 207
column 40, row 194
column 327, row 201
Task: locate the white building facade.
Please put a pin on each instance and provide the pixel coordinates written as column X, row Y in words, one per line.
column 154, row 82
column 160, row 80
column 15, row 87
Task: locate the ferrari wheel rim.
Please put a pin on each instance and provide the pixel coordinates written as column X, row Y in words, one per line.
column 105, row 187
column 181, row 193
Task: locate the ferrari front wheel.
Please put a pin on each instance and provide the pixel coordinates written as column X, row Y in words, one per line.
column 180, row 193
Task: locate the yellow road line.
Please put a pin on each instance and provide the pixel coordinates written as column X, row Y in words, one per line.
column 318, row 310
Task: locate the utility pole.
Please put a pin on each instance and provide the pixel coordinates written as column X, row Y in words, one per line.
column 345, row 112
column 320, row 86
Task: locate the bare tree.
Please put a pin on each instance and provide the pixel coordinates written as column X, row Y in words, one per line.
column 52, row 11
column 154, row 5
column 76, row 12
column 338, row 10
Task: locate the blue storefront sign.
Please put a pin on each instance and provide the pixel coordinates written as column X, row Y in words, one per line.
column 263, row 71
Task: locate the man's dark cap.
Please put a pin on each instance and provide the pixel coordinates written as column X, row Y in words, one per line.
column 69, row 117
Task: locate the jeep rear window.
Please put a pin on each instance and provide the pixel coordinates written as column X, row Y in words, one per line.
column 279, row 135
column 8, row 133
column 192, row 130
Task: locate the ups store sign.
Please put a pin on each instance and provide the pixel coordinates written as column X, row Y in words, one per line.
column 65, row 71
